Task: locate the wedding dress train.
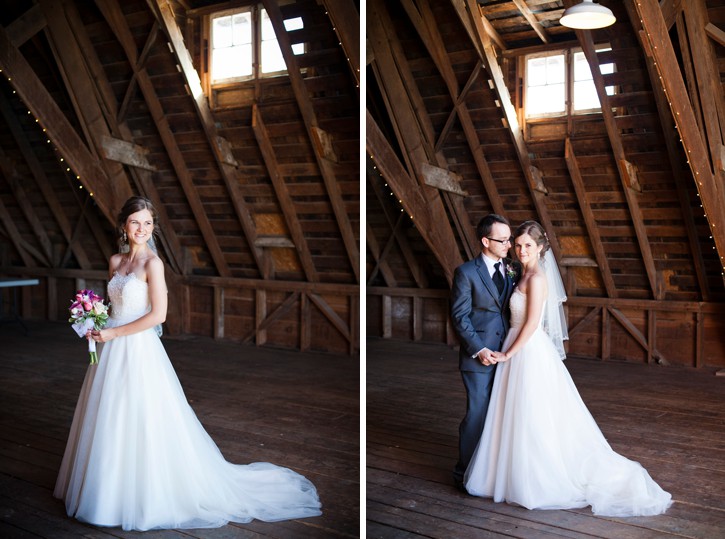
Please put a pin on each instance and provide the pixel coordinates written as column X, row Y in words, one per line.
column 138, row 457
column 540, row 446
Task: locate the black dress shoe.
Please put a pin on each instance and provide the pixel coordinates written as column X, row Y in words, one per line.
column 460, row 486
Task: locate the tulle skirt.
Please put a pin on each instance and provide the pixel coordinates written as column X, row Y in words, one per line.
column 542, row 449
column 138, row 457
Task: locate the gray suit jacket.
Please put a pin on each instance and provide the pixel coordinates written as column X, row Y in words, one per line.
column 479, row 314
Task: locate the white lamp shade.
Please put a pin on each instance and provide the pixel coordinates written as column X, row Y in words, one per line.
column 587, row 15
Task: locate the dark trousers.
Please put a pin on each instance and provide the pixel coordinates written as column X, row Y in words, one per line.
column 478, row 391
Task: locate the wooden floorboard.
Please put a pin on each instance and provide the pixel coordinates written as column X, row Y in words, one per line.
column 671, row 419
column 299, row 410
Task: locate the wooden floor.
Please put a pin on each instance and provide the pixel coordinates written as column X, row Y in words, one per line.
column 672, row 420
column 293, row 409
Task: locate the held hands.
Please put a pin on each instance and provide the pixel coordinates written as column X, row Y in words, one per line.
column 489, row 357
column 103, row 335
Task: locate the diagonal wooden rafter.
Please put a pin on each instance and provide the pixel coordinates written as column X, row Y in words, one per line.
column 283, row 196
column 142, row 57
column 708, row 182
column 381, row 256
column 403, row 244
column 469, row 12
column 107, row 101
column 378, row 255
column 589, row 220
column 117, row 21
column 309, row 116
column 38, row 173
column 346, row 20
column 623, row 165
column 532, row 20
column 24, row 250
column 229, row 172
column 80, row 89
column 58, row 129
column 424, row 22
column 671, row 136
column 424, row 204
column 413, row 126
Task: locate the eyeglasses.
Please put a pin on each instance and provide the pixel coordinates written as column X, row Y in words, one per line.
column 502, row 242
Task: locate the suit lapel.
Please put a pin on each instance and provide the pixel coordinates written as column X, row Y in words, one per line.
column 487, row 281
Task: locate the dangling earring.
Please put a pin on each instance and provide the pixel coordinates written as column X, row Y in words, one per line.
column 125, row 239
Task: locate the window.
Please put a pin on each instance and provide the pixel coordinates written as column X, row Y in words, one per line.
column 244, row 45
column 551, row 77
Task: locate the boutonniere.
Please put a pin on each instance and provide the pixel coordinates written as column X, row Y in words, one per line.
column 510, row 271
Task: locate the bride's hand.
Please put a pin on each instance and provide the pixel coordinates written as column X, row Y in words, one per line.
column 103, row 335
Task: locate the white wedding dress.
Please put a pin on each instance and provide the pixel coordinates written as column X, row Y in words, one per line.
column 540, row 446
column 138, row 457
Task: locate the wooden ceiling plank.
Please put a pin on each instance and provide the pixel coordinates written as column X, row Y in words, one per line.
column 676, row 163
column 707, row 72
column 58, row 129
column 113, row 15
column 428, row 212
column 15, row 181
column 708, row 183
column 283, row 196
column 229, row 173
column 469, row 10
column 304, row 102
column 589, row 219
column 403, row 244
column 346, row 21
column 620, row 157
column 42, row 181
column 142, row 178
column 417, row 133
column 380, row 263
column 532, row 20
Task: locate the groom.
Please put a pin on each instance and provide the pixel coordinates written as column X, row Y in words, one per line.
column 479, row 312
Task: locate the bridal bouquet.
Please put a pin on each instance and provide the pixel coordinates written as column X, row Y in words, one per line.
column 87, row 312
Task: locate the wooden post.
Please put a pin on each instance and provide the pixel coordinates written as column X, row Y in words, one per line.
column 218, row 312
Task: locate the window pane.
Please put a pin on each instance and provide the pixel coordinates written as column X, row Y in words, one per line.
column 581, row 67
column 294, row 24
column 585, row 95
column 536, row 73
column 242, row 28
column 272, row 57
column 222, row 32
column 298, row 48
column 555, row 69
column 545, row 99
column 267, row 28
column 232, row 62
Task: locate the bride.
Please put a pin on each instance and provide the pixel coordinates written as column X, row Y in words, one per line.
column 540, row 446
column 137, row 456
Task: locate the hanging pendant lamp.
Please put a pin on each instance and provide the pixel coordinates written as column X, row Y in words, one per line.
column 587, row 15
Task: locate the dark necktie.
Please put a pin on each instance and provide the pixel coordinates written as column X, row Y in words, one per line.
column 498, row 278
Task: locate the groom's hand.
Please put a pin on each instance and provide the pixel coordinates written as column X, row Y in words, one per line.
column 485, row 356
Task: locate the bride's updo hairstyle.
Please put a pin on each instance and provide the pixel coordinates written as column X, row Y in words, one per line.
column 536, row 231
column 133, row 205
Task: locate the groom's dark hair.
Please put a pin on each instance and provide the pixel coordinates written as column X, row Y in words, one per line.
column 486, row 224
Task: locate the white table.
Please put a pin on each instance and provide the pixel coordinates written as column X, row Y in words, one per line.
column 14, row 284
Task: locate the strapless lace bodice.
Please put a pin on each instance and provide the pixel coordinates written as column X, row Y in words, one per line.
column 517, row 304
column 129, row 297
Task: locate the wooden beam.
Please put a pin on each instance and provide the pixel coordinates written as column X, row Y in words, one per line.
column 58, row 129
column 26, row 26
column 382, row 255
column 80, row 87
column 469, row 11
column 708, row 183
column 125, row 152
column 116, row 20
column 715, row 33
column 42, row 182
column 230, row 174
column 670, row 11
column 304, row 102
column 346, row 22
column 620, row 158
column 332, row 316
column 589, row 220
column 676, row 163
column 16, row 239
column 428, row 211
column 532, row 20
column 283, row 195
column 380, row 262
column 173, row 249
column 443, row 179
